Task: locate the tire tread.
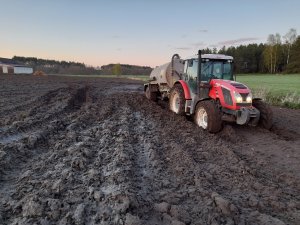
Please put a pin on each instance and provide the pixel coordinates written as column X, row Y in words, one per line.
column 214, row 123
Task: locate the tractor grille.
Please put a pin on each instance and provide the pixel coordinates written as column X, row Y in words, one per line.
column 244, row 96
column 238, row 86
column 243, row 104
column 227, row 96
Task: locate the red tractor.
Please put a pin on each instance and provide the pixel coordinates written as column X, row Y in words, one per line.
column 203, row 87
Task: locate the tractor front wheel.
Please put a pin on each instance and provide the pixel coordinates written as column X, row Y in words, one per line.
column 208, row 117
column 177, row 100
column 266, row 114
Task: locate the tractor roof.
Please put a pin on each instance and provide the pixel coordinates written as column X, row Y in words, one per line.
column 212, row 56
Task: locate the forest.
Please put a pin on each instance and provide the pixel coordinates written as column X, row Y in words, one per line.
column 281, row 54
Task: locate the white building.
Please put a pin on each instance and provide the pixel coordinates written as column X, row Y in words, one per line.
column 8, row 66
column 18, row 69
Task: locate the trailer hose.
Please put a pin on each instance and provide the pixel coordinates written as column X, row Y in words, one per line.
column 172, row 64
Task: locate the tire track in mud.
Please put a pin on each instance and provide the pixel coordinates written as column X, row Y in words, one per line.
column 180, row 194
column 131, row 172
column 82, row 131
column 206, row 170
column 234, row 181
column 258, row 146
column 33, row 141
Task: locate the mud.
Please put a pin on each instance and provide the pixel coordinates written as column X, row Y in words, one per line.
column 96, row 151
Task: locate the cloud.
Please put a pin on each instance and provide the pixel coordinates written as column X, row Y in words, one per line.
column 191, row 46
column 203, row 31
column 183, row 48
column 198, row 44
column 183, row 36
column 238, row 41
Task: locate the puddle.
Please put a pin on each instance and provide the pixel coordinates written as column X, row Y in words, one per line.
column 110, row 189
column 3, row 129
column 126, row 88
column 129, row 87
column 10, row 138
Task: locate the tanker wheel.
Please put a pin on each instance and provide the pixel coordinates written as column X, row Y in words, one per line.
column 150, row 95
column 208, row 117
column 266, row 114
column 177, row 100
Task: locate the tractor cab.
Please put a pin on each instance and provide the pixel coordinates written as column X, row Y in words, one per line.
column 213, row 66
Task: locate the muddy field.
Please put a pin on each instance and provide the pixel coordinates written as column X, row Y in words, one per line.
column 96, row 151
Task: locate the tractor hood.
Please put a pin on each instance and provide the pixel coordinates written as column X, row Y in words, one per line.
column 231, row 94
column 230, row 85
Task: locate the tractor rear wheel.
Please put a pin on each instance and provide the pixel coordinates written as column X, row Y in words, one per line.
column 150, row 95
column 177, row 100
column 266, row 114
column 208, row 116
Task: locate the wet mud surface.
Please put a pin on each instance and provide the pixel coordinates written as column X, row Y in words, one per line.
column 96, row 151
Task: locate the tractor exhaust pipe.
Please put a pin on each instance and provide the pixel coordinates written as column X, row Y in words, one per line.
column 199, row 71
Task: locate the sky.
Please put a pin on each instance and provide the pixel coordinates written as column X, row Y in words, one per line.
column 148, row 33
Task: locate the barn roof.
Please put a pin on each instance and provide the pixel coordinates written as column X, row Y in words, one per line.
column 7, row 61
column 10, row 62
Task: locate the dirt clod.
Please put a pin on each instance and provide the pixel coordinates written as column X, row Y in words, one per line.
column 32, row 209
column 132, row 220
column 162, row 207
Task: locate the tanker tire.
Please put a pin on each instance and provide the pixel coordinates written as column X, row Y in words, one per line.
column 266, row 114
column 208, row 116
column 177, row 100
column 150, row 95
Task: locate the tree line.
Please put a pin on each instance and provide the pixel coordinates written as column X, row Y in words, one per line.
column 125, row 69
column 64, row 67
column 54, row 66
column 281, row 54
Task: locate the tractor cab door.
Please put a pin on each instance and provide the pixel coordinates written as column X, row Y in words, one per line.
column 191, row 78
column 190, row 74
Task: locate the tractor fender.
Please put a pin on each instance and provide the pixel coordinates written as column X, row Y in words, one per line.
column 197, row 102
column 186, row 90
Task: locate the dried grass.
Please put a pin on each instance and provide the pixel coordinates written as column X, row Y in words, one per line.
column 39, row 73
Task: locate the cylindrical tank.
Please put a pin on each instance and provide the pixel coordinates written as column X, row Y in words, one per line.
column 165, row 75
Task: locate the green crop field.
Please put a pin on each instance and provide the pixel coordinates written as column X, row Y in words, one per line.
column 282, row 90
column 277, row 84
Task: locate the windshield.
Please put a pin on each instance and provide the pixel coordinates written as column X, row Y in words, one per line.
column 216, row 70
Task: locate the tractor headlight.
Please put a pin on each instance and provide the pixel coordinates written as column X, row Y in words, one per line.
column 249, row 98
column 238, row 97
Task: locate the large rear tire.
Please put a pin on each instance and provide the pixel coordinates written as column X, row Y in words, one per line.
column 150, row 95
column 208, row 117
column 266, row 114
column 177, row 100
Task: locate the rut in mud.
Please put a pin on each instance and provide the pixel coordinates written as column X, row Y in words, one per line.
column 96, row 151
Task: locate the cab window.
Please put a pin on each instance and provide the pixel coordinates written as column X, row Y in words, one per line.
column 192, row 67
column 217, row 70
column 227, row 75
